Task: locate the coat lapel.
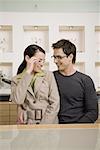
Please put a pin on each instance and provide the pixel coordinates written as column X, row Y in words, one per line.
column 30, row 90
column 38, row 84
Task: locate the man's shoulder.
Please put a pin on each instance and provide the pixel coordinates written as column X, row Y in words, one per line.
column 83, row 76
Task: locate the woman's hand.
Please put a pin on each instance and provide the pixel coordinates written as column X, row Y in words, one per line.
column 30, row 64
column 20, row 119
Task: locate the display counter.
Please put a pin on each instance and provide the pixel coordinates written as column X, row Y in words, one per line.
column 50, row 137
column 8, row 113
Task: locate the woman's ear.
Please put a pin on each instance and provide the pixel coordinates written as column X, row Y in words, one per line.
column 27, row 58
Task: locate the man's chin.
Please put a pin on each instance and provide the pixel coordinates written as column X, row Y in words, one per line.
column 59, row 68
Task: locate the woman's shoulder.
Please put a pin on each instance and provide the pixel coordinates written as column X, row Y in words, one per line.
column 23, row 75
column 49, row 74
column 15, row 78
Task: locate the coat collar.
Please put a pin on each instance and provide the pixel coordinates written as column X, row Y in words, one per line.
column 38, row 84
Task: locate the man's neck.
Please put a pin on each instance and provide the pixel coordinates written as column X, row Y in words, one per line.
column 68, row 71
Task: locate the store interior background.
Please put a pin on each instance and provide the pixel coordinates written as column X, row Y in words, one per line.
column 43, row 22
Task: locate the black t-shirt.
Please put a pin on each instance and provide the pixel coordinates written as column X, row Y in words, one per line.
column 78, row 99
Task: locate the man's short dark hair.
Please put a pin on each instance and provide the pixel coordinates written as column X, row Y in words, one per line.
column 67, row 46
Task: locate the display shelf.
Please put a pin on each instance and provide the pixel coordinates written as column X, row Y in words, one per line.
column 6, row 71
column 8, row 113
column 36, row 35
column 97, row 33
column 97, row 63
column 5, row 38
column 7, row 57
column 5, row 91
column 75, row 34
column 97, row 70
column 80, row 66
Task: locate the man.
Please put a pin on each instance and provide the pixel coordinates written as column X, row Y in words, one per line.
column 78, row 103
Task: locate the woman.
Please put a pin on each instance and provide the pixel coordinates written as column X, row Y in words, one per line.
column 35, row 90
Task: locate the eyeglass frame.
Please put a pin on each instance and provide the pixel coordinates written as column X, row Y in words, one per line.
column 58, row 57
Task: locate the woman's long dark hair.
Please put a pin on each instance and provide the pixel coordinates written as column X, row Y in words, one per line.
column 30, row 51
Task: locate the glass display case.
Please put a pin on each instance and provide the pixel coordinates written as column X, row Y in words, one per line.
column 75, row 34
column 5, row 38
column 36, row 35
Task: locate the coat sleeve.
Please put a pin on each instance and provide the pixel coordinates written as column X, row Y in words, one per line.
column 91, row 102
column 19, row 88
column 51, row 113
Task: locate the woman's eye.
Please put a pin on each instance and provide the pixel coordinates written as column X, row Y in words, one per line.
column 42, row 61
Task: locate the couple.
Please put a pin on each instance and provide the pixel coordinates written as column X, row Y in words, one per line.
column 64, row 96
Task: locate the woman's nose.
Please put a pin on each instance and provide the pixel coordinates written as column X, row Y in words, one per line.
column 42, row 63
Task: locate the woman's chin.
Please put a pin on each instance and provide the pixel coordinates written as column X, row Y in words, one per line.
column 38, row 70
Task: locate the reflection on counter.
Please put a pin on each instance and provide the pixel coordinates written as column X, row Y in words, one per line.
column 50, row 137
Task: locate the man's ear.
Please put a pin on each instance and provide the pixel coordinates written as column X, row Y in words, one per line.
column 27, row 58
column 70, row 57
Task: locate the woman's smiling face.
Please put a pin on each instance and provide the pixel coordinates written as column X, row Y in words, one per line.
column 40, row 56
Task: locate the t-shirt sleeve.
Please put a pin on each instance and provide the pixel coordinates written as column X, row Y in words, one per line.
column 90, row 102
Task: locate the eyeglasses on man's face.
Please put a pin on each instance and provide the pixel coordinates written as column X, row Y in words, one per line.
column 58, row 57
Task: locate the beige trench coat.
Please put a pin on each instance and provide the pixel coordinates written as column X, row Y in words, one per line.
column 40, row 106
